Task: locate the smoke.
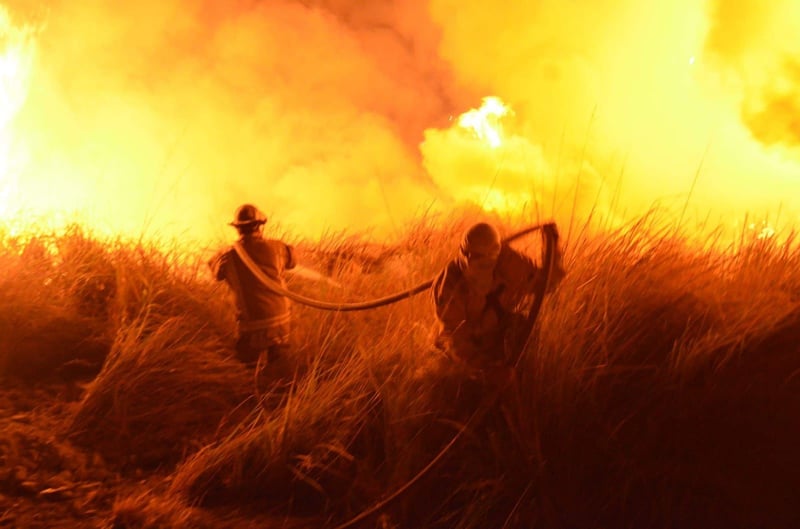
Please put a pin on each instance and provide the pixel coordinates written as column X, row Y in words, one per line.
column 757, row 45
column 164, row 116
column 773, row 115
column 660, row 99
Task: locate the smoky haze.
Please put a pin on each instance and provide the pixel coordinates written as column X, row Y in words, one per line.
column 175, row 112
column 757, row 46
column 670, row 95
column 165, row 115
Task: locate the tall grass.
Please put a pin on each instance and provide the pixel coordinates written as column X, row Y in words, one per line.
column 53, row 291
column 660, row 389
column 161, row 392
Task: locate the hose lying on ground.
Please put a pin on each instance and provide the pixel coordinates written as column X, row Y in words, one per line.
column 348, row 306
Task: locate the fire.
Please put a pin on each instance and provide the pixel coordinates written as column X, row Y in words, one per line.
column 498, row 200
column 485, row 121
column 158, row 118
column 16, row 61
column 484, row 160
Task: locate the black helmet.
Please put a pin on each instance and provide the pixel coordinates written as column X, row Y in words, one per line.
column 248, row 215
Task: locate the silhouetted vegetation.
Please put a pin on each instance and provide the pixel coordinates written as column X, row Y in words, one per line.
column 662, row 388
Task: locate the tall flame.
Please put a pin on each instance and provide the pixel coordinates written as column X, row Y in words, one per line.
column 16, row 61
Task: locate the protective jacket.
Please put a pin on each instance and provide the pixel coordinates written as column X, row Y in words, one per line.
column 259, row 309
column 472, row 325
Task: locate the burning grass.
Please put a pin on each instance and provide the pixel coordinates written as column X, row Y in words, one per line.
column 661, row 390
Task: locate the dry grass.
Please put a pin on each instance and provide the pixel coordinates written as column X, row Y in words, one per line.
column 162, row 391
column 661, row 389
column 153, row 333
column 45, row 320
column 146, row 510
column 298, row 457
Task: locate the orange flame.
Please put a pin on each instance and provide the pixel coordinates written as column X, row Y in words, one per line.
column 178, row 115
column 16, row 61
column 483, row 160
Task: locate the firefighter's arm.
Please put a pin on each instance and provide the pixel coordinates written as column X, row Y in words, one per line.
column 217, row 265
column 451, row 309
column 530, row 274
column 520, row 271
column 291, row 259
column 557, row 273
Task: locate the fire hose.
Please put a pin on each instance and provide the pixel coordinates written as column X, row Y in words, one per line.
column 548, row 263
column 277, row 288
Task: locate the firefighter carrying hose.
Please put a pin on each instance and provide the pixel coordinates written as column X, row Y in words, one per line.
column 477, row 297
column 264, row 317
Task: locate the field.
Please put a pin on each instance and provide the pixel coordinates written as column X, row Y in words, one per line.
column 662, row 389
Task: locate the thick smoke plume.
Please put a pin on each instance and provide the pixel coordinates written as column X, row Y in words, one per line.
column 167, row 115
column 758, row 46
column 654, row 96
column 164, row 116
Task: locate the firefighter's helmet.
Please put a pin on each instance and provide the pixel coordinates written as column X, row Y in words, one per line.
column 248, row 215
column 482, row 239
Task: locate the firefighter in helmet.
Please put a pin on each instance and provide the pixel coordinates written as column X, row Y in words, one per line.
column 264, row 317
column 478, row 293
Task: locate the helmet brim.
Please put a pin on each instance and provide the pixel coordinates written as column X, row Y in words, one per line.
column 240, row 223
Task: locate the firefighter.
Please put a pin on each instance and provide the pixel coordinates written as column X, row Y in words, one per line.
column 264, row 317
column 477, row 297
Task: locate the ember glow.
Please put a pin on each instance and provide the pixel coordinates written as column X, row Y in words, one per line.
column 158, row 118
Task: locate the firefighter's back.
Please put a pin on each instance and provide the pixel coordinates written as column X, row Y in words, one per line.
column 273, row 258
